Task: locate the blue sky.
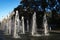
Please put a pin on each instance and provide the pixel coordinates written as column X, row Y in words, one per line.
column 7, row 6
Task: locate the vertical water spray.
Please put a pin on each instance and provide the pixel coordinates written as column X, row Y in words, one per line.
column 27, row 26
column 21, row 28
column 9, row 26
column 4, row 27
column 23, row 25
column 45, row 25
column 34, row 24
column 50, row 28
column 16, row 28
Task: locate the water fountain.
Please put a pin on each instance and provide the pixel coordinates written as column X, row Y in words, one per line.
column 34, row 26
column 10, row 26
column 7, row 26
column 6, row 32
column 23, row 28
column 4, row 25
column 27, row 26
column 50, row 28
column 16, row 28
column 45, row 25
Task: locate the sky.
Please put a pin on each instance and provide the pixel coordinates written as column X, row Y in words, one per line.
column 7, row 6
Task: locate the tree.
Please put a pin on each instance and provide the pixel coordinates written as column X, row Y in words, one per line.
column 27, row 8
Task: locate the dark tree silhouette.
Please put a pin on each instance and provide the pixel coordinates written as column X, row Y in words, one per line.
column 27, row 8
